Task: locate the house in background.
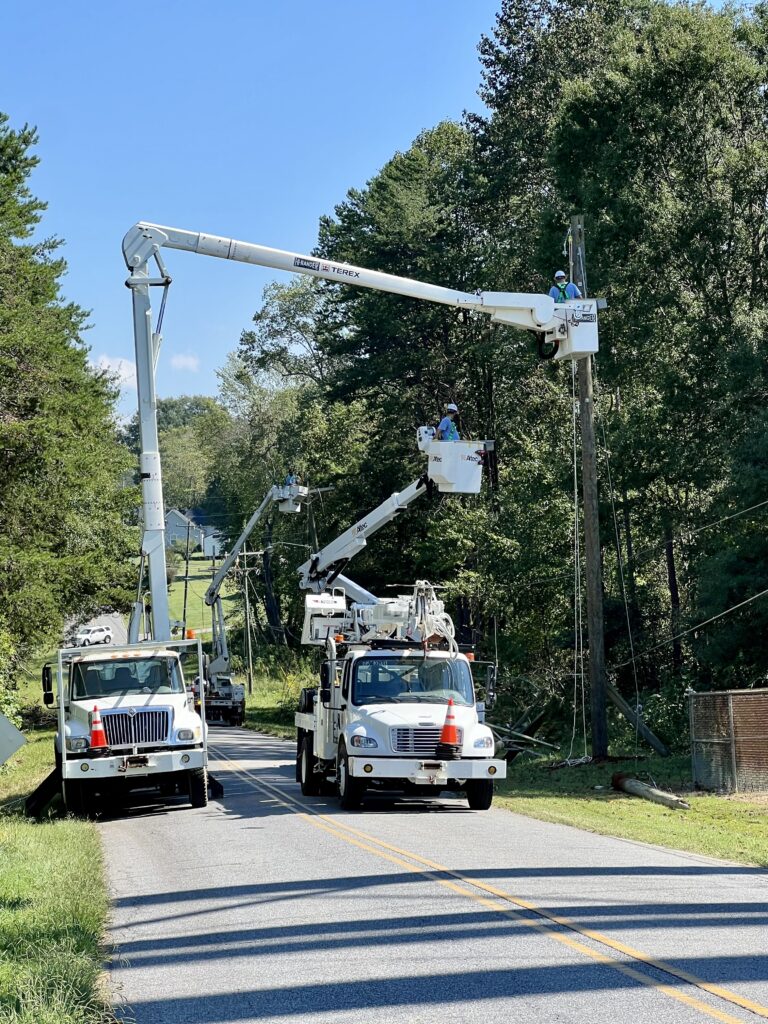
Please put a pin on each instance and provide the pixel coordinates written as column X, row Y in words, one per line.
column 177, row 524
column 213, row 542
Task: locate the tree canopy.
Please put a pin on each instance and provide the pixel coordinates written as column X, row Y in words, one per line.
column 64, row 544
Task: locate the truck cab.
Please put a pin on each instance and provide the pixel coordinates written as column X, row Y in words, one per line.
column 152, row 736
column 376, row 723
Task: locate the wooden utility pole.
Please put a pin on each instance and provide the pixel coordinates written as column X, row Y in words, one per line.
column 592, row 552
column 249, row 652
column 186, row 586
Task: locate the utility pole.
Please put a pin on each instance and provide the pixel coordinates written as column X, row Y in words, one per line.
column 592, row 552
column 186, row 585
column 249, row 652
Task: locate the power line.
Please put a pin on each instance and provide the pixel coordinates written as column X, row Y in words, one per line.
column 699, row 625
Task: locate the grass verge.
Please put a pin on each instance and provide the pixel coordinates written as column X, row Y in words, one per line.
column 716, row 826
column 272, row 705
column 198, row 612
column 53, row 906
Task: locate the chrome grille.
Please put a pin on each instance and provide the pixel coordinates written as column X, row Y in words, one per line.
column 418, row 741
column 125, row 730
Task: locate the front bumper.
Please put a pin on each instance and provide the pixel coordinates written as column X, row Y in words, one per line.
column 130, row 765
column 426, row 771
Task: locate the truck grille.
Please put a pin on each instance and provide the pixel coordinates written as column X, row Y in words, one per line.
column 418, row 741
column 125, row 730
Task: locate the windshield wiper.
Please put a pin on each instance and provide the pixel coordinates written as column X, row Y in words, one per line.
column 382, row 698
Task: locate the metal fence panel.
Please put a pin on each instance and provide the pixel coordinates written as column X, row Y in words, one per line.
column 729, row 740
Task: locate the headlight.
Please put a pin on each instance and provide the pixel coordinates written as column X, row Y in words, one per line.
column 185, row 734
column 363, row 741
column 75, row 743
column 484, row 743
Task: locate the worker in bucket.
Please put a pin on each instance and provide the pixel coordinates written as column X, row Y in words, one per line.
column 291, row 477
column 563, row 289
column 446, row 428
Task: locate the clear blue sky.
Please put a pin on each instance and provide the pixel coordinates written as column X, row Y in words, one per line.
column 245, row 118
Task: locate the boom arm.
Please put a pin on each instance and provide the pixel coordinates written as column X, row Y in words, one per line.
column 573, row 325
column 322, row 568
column 290, row 497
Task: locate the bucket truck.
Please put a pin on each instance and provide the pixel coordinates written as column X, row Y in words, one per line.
column 225, row 700
column 393, row 672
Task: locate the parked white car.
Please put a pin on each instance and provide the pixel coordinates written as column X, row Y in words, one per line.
column 87, row 635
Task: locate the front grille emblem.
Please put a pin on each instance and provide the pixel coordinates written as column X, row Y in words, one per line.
column 132, row 712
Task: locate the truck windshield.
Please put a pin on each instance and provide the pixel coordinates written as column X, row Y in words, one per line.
column 413, row 680
column 117, row 678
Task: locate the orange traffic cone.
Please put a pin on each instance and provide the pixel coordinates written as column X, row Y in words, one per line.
column 449, row 746
column 98, row 736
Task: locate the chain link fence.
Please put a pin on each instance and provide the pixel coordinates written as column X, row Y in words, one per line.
column 729, row 740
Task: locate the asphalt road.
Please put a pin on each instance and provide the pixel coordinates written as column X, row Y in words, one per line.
column 266, row 906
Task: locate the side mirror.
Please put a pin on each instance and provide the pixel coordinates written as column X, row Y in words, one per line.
column 47, row 684
column 47, row 699
column 325, row 675
column 491, row 673
column 325, row 695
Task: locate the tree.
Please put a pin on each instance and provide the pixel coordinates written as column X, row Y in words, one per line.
column 64, row 547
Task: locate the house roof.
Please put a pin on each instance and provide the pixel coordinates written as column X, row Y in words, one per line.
column 181, row 515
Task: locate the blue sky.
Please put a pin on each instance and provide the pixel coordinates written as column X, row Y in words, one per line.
column 246, row 119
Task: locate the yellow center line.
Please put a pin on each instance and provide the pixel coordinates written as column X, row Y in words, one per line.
column 372, row 844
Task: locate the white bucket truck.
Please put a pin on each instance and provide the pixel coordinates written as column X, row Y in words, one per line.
column 396, row 708
column 126, row 720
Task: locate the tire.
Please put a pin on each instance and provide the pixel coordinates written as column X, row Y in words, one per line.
column 107, row 639
column 349, row 791
column 311, row 782
column 479, row 794
column 85, row 643
column 198, row 787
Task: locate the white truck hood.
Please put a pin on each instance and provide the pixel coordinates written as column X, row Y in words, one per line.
column 414, row 715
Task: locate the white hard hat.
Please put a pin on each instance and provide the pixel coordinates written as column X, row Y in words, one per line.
column 560, row 273
column 452, row 407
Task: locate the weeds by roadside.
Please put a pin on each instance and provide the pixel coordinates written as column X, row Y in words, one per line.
column 53, row 905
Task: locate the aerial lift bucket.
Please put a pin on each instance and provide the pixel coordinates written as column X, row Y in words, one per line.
column 455, row 466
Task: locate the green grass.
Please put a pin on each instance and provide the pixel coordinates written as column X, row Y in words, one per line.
column 53, row 905
column 272, row 705
column 198, row 612
column 729, row 828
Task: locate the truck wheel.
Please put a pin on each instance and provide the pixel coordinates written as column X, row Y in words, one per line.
column 309, row 778
column 349, row 790
column 198, row 787
column 479, row 794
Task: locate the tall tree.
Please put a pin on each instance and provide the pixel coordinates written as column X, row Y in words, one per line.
column 64, row 548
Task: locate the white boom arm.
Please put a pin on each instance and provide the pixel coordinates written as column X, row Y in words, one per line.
column 573, row 325
column 322, row 568
column 289, row 498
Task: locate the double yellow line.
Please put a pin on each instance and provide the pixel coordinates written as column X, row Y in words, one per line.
column 502, row 902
